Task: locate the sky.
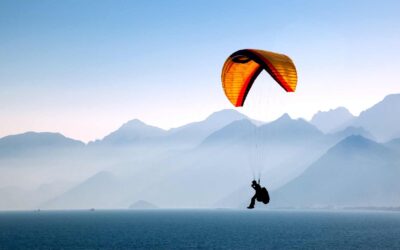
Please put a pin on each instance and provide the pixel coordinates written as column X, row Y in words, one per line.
column 83, row 68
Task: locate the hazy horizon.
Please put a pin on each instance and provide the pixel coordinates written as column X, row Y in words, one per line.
column 265, row 119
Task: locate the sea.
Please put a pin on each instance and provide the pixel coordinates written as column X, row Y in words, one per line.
column 200, row 229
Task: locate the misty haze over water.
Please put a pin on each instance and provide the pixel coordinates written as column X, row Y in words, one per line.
column 351, row 162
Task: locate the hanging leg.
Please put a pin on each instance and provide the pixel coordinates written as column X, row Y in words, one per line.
column 252, row 203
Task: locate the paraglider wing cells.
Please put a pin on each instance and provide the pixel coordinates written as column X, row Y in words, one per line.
column 243, row 67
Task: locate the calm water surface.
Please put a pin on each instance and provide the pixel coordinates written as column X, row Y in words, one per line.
column 204, row 229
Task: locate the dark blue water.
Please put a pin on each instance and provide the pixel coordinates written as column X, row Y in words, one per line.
column 218, row 229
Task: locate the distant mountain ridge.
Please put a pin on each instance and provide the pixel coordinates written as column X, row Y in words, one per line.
column 214, row 159
column 98, row 191
column 189, row 135
column 298, row 128
column 29, row 142
column 328, row 121
column 355, row 172
column 194, row 133
column 226, row 150
column 382, row 119
column 231, row 132
column 331, row 121
column 348, row 131
column 134, row 131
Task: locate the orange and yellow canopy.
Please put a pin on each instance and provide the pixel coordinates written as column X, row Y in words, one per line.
column 242, row 68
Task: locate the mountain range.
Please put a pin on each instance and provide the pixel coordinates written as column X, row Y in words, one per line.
column 381, row 120
column 356, row 172
column 336, row 159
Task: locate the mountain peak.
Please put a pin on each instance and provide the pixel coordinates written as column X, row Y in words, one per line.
column 226, row 114
column 357, row 143
column 330, row 120
column 132, row 132
column 134, row 124
column 230, row 132
column 359, row 139
column 284, row 117
column 381, row 119
column 142, row 204
column 351, row 130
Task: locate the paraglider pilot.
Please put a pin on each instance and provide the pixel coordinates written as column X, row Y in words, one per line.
column 260, row 195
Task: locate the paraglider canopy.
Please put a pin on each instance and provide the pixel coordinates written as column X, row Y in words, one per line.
column 242, row 68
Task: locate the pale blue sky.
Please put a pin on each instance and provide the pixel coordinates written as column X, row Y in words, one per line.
column 83, row 68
